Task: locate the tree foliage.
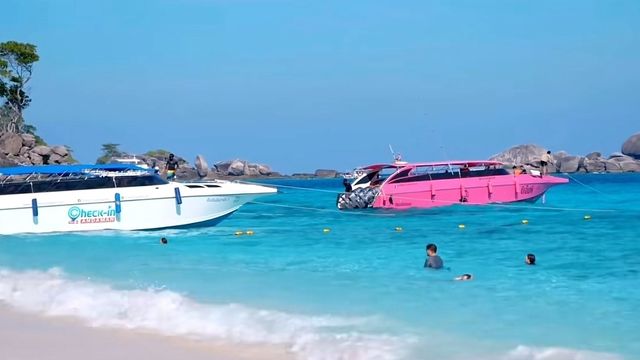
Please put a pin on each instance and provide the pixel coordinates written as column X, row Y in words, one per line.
column 109, row 151
column 16, row 68
column 158, row 154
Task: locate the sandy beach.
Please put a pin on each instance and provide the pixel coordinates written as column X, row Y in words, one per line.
column 30, row 337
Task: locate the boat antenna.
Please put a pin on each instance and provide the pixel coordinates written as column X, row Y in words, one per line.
column 396, row 157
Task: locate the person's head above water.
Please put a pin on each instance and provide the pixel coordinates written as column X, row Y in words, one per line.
column 530, row 259
column 432, row 249
column 464, row 277
column 164, row 241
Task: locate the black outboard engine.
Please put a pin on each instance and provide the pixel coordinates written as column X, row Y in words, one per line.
column 361, row 198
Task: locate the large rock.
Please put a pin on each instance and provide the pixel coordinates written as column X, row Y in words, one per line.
column 56, row 159
column 616, row 155
column 325, row 173
column 521, row 154
column 630, row 166
column 5, row 161
column 593, row 155
column 60, row 150
column 186, row 173
column 202, row 168
column 222, row 167
column 10, row 143
column 631, row 147
column 613, row 166
column 595, row 165
column 35, row 158
column 569, row 164
column 251, row 170
column 236, row 168
column 264, row 170
column 28, row 140
column 41, row 150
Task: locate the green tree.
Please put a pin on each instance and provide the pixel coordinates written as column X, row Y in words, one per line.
column 158, row 154
column 109, row 151
column 16, row 69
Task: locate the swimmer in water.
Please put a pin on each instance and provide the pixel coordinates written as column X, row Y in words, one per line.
column 530, row 259
column 164, row 241
column 464, row 277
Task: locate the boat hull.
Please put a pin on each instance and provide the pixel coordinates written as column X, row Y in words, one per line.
column 170, row 205
column 471, row 191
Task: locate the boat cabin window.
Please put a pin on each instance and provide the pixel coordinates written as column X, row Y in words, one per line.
column 146, row 180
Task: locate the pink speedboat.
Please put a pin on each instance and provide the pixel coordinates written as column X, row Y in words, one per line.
column 402, row 185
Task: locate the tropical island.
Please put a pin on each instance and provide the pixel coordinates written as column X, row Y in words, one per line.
column 21, row 145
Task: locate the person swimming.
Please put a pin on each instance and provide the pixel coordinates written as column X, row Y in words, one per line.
column 530, row 259
column 164, row 241
column 463, row 277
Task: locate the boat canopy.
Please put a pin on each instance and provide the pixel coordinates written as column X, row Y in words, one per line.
column 67, row 169
column 470, row 163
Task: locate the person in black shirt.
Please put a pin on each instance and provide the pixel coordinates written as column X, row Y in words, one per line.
column 347, row 185
column 433, row 260
column 171, row 166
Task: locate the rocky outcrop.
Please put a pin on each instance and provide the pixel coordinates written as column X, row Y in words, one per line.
column 520, row 155
column 568, row 164
column 631, row 147
column 529, row 155
column 239, row 167
column 21, row 149
column 324, row 173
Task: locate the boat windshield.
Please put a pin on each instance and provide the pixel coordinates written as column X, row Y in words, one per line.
column 22, row 185
column 377, row 177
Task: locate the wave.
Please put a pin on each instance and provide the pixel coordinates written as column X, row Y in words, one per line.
column 523, row 352
column 166, row 312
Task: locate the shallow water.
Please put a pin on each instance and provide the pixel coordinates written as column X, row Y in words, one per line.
column 359, row 291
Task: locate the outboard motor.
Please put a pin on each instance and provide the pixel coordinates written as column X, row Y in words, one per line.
column 361, row 198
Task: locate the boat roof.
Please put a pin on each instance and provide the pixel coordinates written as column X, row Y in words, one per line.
column 403, row 164
column 67, row 169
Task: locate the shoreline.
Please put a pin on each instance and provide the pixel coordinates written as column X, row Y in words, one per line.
column 28, row 336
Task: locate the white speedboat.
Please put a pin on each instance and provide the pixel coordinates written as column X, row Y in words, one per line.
column 42, row 199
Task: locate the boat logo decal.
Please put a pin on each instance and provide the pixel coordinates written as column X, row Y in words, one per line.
column 79, row 215
column 526, row 189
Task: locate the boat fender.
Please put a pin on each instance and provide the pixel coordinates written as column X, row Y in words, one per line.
column 34, row 207
column 118, row 203
column 178, row 196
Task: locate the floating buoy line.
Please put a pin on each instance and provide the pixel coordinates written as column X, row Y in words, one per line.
column 399, row 229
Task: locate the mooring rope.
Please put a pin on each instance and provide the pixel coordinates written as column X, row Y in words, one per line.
column 450, row 202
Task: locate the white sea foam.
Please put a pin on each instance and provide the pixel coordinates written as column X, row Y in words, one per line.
column 166, row 312
column 556, row 353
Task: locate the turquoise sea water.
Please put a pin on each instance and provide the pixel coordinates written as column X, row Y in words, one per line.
column 359, row 291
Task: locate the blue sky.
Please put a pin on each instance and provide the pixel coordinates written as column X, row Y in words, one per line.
column 302, row 85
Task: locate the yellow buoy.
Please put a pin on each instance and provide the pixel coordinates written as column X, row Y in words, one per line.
column 326, row 230
column 587, row 217
column 238, row 233
column 461, row 226
column 249, row 232
column 398, row 228
column 525, row 221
